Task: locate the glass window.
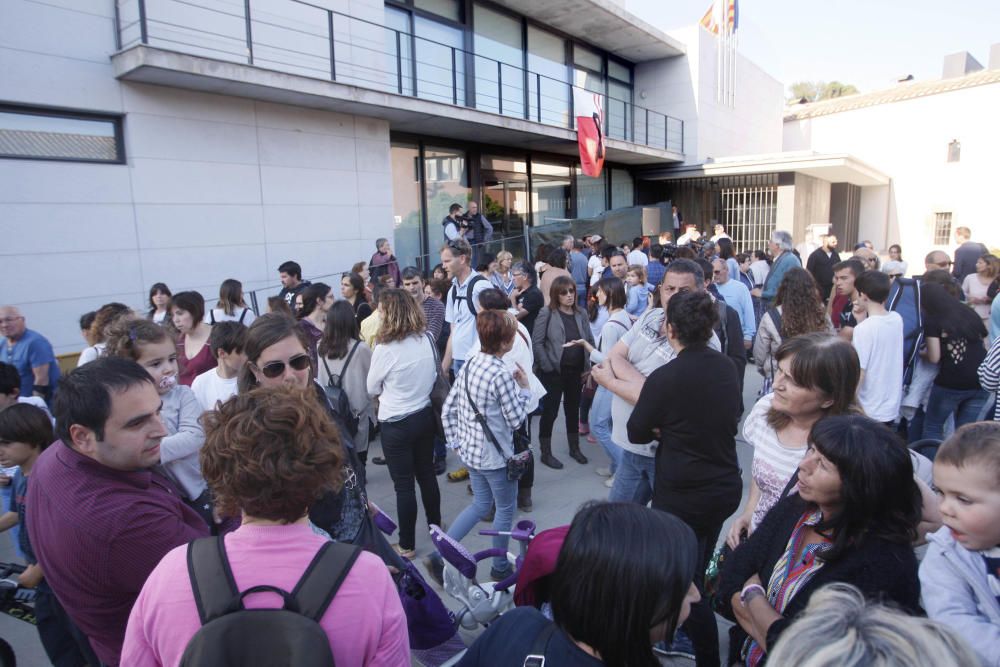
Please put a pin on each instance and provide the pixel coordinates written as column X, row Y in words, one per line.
column 398, row 68
column 618, row 110
column 622, row 189
column 447, row 183
column 499, row 62
column 942, row 228
column 450, row 9
column 550, row 193
column 588, row 58
column 440, row 62
column 501, row 163
column 591, row 194
column 50, row 135
column 548, row 81
column 406, row 203
column 618, row 71
column 954, row 151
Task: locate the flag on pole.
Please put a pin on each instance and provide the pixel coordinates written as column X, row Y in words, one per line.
column 589, row 125
column 722, row 20
column 722, row 16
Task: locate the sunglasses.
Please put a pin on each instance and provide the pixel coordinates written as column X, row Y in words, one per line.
column 273, row 369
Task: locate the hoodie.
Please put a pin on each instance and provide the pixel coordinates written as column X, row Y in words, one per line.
column 955, row 592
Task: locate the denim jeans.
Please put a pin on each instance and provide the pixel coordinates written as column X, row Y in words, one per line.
column 965, row 404
column 408, row 447
column 633, row 479
column 600, row 426
column 489, row 486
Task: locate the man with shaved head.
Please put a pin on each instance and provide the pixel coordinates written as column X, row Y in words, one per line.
column 937, row 259
column 30, row 353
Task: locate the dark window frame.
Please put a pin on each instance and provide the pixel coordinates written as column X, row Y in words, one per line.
column 117, row 121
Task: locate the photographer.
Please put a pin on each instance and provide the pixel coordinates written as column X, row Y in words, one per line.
column 455, row 225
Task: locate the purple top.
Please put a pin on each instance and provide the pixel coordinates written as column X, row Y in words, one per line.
column 98, row 533
column 189, row 369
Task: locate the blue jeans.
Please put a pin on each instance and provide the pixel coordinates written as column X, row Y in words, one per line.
column 965, row 404
column 633, row 479
column 489, row 486
column 600, row 426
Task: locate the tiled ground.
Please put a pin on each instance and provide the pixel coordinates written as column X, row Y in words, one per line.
column 557, row 494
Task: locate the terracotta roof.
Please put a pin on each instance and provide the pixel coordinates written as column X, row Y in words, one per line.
column 899, row 93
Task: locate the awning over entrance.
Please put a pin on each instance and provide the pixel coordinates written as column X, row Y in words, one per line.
column 834, row 168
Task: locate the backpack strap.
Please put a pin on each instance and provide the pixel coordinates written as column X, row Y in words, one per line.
column 322, row 579
column 468, row 293
column 775, row 316
column 211, row 316
column 243, row 314
column 536, row 657
column 211, row 578
column 347, row 361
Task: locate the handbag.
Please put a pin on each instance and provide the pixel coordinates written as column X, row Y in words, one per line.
column 440, row 390
column 517, row 464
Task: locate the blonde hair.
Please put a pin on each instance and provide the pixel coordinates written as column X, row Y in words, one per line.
column 402, row 317
column 840, row 629
column 504, row 255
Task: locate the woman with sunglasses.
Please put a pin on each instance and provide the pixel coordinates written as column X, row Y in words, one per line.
column 562, row 365
column 277, row 354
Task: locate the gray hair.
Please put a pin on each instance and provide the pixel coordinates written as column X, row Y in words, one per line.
column 839, row 629
column 782, row 239
column 379, row 242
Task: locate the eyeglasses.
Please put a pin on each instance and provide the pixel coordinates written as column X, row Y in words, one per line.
column 11, row 320
column 568, row 293
column 273, row 369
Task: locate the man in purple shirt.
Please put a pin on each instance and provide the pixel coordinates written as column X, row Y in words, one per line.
column 101, row 517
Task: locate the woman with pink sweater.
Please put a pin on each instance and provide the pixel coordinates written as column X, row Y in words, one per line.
column 268, row 455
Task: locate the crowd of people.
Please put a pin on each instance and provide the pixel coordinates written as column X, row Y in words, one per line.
column 231, row 448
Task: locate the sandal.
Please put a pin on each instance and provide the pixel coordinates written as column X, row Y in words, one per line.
column 459, row 475
column 408, row 554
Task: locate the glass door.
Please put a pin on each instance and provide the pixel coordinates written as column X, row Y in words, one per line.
column 505, row 205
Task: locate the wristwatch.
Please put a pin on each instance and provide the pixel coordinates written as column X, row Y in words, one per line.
column 749, row 592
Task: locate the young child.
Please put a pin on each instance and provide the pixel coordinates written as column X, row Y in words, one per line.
column 25, row 431
column 637, row 291
column 878, row 340
column 960, row 575
column 151, row 347
column 218, row 385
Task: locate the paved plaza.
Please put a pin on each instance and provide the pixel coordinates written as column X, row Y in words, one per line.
column 557, row 494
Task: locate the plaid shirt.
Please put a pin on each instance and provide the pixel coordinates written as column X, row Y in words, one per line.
column 498, row 398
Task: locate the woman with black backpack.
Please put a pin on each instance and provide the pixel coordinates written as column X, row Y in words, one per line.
column 402, row 374
column 344, row 360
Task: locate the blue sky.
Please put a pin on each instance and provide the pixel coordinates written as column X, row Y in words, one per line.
column 865, row 42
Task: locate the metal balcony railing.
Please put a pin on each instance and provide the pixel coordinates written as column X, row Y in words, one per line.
column 299, row 37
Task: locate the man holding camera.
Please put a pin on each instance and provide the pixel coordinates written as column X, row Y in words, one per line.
column 472, row 226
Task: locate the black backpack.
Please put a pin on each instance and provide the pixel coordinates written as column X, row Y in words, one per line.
column 455, row 297
column 338, row 397
column 231, row 634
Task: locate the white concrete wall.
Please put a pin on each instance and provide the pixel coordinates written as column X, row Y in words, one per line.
column 685, row 87
column 215, row 187
column 909, row 142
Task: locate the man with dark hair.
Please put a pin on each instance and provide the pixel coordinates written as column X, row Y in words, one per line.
column 844, row 276
column 454, row 227
column 878, row 340
column 101, row 515
column 526, row 297
column 292, row 284
column 966, row 254
column 636, row 255
column 413, row 282
column 30, row 353
column 820, row 264
column 655, row 269
column 617, row 264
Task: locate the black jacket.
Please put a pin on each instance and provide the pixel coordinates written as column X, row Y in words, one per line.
column 881, row 569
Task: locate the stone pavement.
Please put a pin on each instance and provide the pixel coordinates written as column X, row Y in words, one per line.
column 556, row 495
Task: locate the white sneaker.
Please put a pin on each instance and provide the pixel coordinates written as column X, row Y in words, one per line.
column 609, row 482
column 603, row 472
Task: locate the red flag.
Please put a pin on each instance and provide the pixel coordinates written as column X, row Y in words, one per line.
column 589, row 124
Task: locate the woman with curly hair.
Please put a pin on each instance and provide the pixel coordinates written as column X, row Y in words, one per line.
column 798, row 309
column 269, row 455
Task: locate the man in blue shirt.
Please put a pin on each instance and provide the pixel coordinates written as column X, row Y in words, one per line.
column 30, row 353
column 737, row 296
column 655, row 269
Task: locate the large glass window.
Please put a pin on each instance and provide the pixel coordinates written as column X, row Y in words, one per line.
column 450, row 9
column 591, row 194
column 550, row 193
column 440, row 61
column 398, row 67
column 499, row 62
column 406, row 202
column 622, row 189
column 447, row 184
column 548, row 81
